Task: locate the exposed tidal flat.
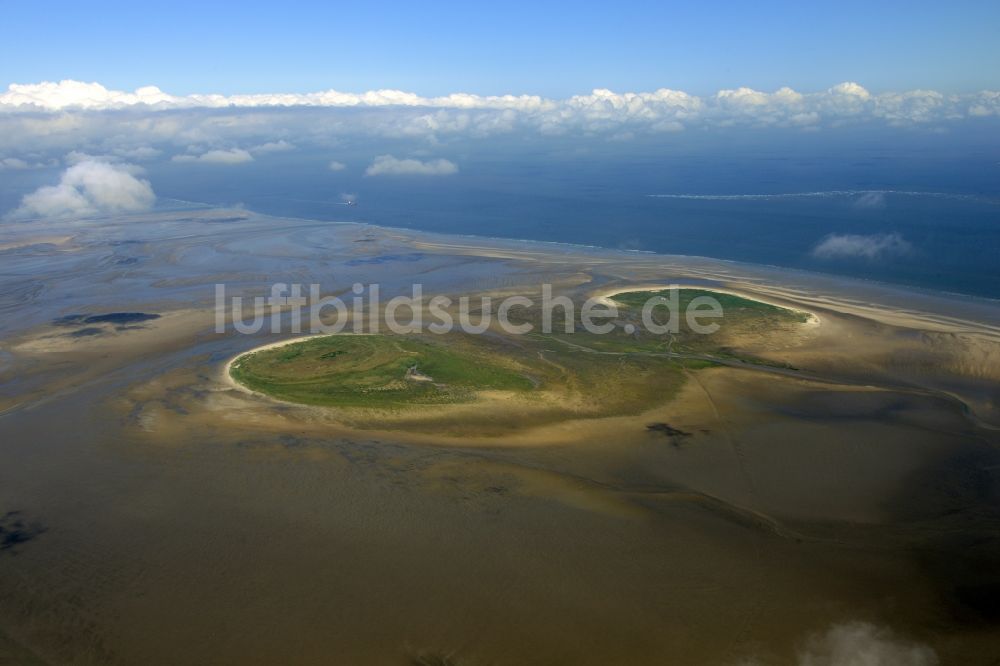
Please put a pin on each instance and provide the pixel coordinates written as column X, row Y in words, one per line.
column 828, row 460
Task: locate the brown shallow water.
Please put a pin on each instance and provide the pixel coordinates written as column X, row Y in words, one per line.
column 155, row 515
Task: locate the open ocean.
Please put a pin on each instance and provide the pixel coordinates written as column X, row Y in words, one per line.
column 928, row 210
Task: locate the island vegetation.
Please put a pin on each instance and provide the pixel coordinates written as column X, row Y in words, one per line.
column 564, row 375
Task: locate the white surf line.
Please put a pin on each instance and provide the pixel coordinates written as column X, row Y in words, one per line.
column 820, row 194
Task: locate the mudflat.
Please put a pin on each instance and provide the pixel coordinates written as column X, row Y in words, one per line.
column 826, row 463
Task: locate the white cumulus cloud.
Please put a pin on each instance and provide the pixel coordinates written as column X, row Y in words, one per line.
column 13, row 164
column 387, row 165
column 231, row 156
column 870, row 200
column 862, row 246
column 864, row 644
column 280, row 146
column 70, row 94
column 89, row 188
column 336, row 166
column 660, row 110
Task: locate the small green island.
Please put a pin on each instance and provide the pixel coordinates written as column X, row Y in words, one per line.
column 375, row 371
column 554, row 375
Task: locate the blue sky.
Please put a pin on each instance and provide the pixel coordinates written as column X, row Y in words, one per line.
column 550, row 49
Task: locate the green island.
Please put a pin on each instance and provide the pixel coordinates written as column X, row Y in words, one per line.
column 554, row 375
column 374, row 370
column 747, row 326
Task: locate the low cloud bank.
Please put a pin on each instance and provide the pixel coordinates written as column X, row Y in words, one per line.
column 41, row 121
column 89, row 188
column 664, row 109
column 859, row 246
column 387, row 165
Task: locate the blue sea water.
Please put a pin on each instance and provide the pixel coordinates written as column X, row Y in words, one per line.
column 926, row 204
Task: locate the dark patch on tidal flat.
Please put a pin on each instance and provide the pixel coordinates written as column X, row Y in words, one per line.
column 964, row 568
column 68, row 320
column 831, row 405
column 15, row 530
column 984, row 599
column 967, row 482
column 86, row 332
column 957, row 501
column 116, row 318
column 291, row 441
column 675, row 435
column 385, row 258
column 120, row 318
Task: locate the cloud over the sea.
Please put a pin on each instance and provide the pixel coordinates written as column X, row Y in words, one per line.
column 280, row 146
column 13, row 164
column 231, row 156
column 387, row 165
column 854, row 644
column 89, row 188
column 665, row 109
column 862, row 246
column 863, row 644
column 42, row 122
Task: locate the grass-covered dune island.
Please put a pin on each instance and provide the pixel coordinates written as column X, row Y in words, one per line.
column 570, row 374
column 386, row 371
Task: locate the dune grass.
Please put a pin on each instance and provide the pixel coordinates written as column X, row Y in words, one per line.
column 562, row 374
column 374, row 371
